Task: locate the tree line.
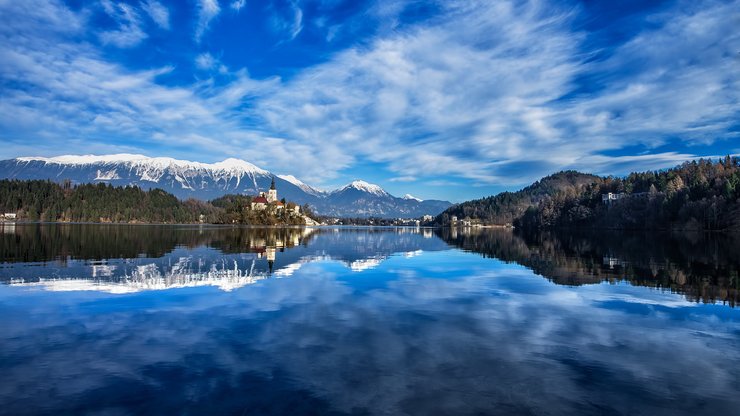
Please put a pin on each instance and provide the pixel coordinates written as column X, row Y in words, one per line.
column 44, row 200
column 696, row 195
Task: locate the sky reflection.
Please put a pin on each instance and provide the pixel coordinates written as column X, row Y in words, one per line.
column 441, row 332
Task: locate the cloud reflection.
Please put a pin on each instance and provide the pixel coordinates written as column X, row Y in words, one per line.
column 438, row 337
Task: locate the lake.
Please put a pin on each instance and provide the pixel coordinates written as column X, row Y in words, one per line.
column 118, row 320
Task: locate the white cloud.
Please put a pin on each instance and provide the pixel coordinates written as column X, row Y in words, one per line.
column 288, row 22
column 159, row 13
column 402, row 179
column 44, row 16
column 205, row 61
column 475, row 93
column 207, row 11
column 479, row 94
column 680, row 80
column 421, row 101
column 129, row 32
column 297, row 25
column 72, row 96
column 237, row 5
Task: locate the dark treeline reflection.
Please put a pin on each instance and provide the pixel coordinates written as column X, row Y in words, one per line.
column 703, row 267
column 50, row 242
column 29, row 243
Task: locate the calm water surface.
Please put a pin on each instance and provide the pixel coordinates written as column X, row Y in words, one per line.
column 117, row 320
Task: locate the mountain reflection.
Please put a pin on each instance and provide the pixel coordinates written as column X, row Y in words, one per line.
column 703, row 267
column 123, row 259
column 370, row 322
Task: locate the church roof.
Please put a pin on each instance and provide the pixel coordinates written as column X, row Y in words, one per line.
column 260, row 199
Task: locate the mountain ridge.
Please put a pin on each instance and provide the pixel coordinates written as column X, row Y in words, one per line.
column 206, row 181
column 697, row 195
column 507, row 207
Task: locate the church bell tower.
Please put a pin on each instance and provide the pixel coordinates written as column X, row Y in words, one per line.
column 272, row 193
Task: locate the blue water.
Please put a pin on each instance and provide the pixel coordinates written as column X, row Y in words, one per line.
column 342, row 321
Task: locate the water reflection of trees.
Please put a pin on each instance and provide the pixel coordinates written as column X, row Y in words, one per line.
column 50, row 242
column 125, row 258
column 703, row 267
column 58, row 242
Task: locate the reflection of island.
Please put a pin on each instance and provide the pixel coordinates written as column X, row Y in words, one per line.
column 187, row 261
column 121, row 259
column 701, row 266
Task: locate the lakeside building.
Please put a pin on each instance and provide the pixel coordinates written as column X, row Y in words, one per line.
column 610, row 197
column 264, row 199
column 261, row 201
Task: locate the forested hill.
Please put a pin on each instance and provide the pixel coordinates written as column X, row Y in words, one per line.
column 38, row 200
column 696, row 195
column 507, row 207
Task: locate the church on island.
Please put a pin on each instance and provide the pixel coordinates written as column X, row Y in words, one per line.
column 264, row 199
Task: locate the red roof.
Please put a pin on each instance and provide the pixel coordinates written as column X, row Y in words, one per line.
column 260, row 199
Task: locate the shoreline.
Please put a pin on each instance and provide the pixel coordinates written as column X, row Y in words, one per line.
column 212, row 225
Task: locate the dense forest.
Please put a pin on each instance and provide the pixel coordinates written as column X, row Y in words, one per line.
column 38, row 200
column 697, row 195
column 506, row 207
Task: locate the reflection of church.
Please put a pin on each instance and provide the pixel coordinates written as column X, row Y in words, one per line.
column 268, row 252
column 267, row 246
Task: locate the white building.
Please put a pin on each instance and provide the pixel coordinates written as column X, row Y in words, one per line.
column 260, row 202
column 265, row 198
column 610, row 197
column 272, row 193
column 10, row 216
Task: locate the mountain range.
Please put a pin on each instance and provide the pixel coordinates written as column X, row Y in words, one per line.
column 206, row 181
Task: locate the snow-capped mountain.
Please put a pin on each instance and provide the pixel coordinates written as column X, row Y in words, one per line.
column 206, row 181
column 297, row 182
column 183, row 178
column 363, row 187
column 362, row 199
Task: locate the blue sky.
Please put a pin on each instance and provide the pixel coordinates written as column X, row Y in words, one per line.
column 449, row 99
